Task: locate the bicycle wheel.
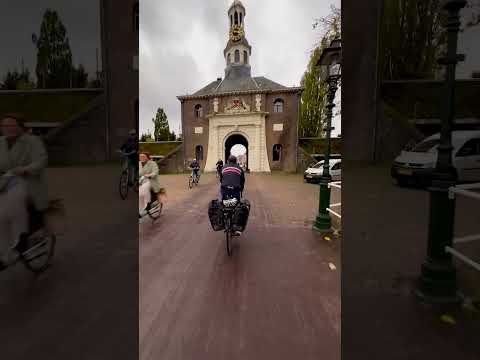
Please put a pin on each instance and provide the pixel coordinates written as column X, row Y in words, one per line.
column 123, row 185
column 40, row 249
column 190, row 182
column 228, row 237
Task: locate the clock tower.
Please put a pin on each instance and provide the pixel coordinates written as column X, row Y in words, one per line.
column 237, row 52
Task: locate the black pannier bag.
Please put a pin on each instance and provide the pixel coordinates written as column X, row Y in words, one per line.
column 240, row 216
column 215, row 214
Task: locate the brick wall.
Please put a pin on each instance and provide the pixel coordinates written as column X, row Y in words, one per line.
column 288, row 138
column 120, row 45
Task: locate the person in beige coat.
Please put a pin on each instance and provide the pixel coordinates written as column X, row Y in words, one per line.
column 23, row 159
column 151, row 183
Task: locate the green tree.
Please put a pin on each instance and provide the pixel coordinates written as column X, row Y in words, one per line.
column 312, row 103
column 161, row 130
column 79, row 77
column 54, row 56
column 10, row 80
column 411, row 39
column 14, row 80
column 146, row 137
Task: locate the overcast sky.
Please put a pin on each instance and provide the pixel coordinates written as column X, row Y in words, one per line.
column 182, row 42
column 21, row 18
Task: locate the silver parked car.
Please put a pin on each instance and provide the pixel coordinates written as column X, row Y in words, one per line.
column 314, row 173
column 417, row 165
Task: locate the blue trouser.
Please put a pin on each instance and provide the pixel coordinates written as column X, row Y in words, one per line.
column 195, row 174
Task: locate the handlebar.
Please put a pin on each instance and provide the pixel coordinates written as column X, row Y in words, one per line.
column 126, row 153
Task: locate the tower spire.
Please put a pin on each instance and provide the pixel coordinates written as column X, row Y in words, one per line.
column 238, row 50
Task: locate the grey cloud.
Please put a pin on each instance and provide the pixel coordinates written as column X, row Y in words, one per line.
column 280, row 32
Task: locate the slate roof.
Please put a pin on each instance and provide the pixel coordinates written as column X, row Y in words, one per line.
column 242, row 84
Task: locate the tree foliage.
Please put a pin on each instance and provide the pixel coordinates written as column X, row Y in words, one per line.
column 79, row 77
column 313, row 101
column 412, row 39
column 14, row 80
column 147, row 137
column 54, row 56
column 161, row 130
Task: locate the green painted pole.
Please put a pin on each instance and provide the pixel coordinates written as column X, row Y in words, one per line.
column 323, row 221
column 438, row 276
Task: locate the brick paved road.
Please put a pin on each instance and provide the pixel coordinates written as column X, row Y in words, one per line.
column 384, row 244
column 86, row 305
column 276, row 298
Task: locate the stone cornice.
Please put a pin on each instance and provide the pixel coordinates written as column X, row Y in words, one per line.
column 246, row 113
column 244, row 92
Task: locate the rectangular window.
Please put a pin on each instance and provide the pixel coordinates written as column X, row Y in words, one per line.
column 277, row 152
column 135, row 62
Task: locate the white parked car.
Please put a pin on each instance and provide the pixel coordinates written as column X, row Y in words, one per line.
column 314, row 173
column 417, row 164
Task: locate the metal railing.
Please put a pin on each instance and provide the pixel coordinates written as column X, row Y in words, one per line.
column 338, row 185
column 464, row 190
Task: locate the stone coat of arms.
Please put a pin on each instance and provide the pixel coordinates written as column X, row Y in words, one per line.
column 237, row 106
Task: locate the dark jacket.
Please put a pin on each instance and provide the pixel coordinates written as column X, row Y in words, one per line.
column 195, row 165
column 232, row 175
column 131, row 146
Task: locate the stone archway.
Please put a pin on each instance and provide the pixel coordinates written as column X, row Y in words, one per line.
column 234, row 139
column 249, row 125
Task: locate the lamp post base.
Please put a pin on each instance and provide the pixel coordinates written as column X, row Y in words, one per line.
column 323, row 223
column 437, row 284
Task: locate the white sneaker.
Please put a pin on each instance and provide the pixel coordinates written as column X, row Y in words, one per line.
column 238, row 233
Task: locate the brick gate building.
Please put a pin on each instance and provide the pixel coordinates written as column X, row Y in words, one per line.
column 256, row 112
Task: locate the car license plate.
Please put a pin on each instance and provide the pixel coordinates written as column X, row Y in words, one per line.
column 408, row 172
column 309, row 176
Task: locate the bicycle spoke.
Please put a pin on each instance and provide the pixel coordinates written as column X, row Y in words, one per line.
column 35, row 247
column 30, row 259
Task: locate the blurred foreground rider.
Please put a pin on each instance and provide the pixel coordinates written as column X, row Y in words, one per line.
column 23, row 159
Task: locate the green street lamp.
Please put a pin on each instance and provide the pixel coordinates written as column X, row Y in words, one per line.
column 438, row 276
column 331, row 68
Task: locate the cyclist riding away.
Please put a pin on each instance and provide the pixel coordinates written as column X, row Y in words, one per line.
column 232, row 179
column 130, row 149
column 195, row 166
column 219, row 167
column 23, row 159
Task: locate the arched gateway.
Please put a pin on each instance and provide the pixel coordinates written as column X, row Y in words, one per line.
column 231, row 141
column 241, row 109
